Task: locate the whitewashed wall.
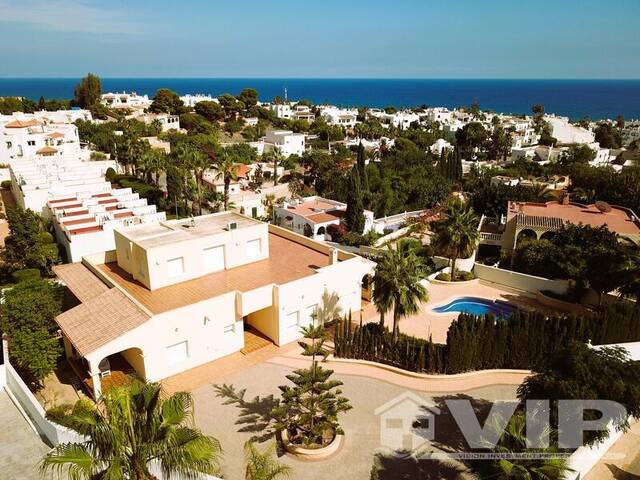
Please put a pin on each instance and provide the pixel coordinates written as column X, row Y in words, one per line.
column 521, row 281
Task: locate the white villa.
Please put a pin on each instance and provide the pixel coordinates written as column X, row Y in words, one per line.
column 288, row 142
column 181, row 293
column 125, row 100
column 190, row 100
column 343, row 117
column 568, row 133
column 84, row 222
column 311, row 216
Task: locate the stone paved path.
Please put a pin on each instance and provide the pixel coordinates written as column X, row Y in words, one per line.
column 20, row 447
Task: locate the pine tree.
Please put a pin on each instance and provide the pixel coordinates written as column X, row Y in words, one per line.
column 311, row 407
column 354, row 217
column 41, row 104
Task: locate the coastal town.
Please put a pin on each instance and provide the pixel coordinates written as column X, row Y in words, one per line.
column 261, row 288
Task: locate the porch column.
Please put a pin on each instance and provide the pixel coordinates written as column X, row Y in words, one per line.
column 95, row 379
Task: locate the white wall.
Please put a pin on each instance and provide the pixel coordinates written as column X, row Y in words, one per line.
column 521, row 281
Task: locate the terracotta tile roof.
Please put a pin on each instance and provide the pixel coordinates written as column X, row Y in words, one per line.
column 288, row 261
column 47, row 150
column 80, row 280
column 22, row 124
column 553, row 214
column 243, row 170
column 100, row 320
column 56, row 135
column 323, row 217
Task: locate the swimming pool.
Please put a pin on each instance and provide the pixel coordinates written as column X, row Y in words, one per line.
column 477, row 306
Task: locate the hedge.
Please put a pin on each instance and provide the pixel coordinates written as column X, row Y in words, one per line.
column 485, row 342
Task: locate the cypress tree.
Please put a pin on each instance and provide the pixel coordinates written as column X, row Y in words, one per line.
column 354, row 217
column 362, row 167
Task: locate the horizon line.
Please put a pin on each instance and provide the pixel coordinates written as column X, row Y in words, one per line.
column 323, row 78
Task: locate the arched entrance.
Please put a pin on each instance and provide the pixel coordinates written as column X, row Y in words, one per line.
column 526, row 234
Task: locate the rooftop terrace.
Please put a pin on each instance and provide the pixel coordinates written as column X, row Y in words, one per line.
column 288, row 261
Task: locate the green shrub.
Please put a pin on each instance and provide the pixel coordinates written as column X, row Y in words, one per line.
column 97, row 156
column 6, row 184
column 25, row 274
column 465, row 276
column 44, row 238
column 443, row 277
column 110, row 174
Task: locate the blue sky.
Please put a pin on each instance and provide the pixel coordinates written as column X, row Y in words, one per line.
column 321, row 38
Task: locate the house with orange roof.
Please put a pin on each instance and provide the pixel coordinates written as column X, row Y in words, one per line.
column 538, row 220
column 312, row 216
column 177, row 294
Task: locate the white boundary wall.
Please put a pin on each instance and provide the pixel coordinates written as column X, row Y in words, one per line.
column 521, row 281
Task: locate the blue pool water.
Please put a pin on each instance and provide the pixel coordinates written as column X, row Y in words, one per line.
column 476, row 306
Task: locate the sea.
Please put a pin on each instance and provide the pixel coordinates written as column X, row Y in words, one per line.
column 576, row 99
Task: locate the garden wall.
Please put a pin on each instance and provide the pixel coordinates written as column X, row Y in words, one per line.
column 521, row 281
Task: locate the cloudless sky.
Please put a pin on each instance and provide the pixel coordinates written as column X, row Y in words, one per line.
column 321, row 38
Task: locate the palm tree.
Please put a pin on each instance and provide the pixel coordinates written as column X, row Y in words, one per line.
column 227, row 170
column 542, row 193
column 262, row 465
column 514, row 441
column 396, row 283
column 457, row 234
column 132, row 429
column 630, row 276
column 269, row 201
column 276, row 158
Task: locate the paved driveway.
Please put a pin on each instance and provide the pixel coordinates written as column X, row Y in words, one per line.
column 20, row 447
column 233, row 425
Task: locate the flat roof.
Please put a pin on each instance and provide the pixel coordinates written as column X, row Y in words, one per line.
column 313, row 207
column 288, row 261
column 173, row 231
column 617, row 220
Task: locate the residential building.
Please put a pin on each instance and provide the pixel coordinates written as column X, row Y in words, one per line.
column 191, row 100
column 286, row 141
column 568, row 133
column 342, row 117
column 439, row 145
column 181, row 293
column 125, row 100
column 157, row 144
column 311, row 216
column 537, row 220
column 282, row 110
column 84, row 222
column 441, row 115
column 167, row 122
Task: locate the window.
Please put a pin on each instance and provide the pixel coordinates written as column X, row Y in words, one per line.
column 254, row 212
column 291, row 320
column 253, row 248
column 175, row 267
column 213, row 259
column 31, row 143
column 177, row 353
column 9, row 145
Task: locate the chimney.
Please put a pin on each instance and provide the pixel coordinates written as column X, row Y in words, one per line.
column 333, row 256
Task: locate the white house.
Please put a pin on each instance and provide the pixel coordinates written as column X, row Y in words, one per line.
column 84, row 222
column 439, row 145
column 191, row 100
column 125, row 100
column 167, row 122
column 343, row 117
column 311, row 216
column 568, row 133
column 288, row 142
column 181, row 293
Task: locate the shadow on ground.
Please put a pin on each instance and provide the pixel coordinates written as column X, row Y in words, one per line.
column 620, row 474
column 400, row 465
column 255, row 415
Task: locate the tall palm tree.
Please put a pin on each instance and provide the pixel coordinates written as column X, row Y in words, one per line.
column 134, row 428
column 269, row 201
column 514, row 441
column 275, row 156
column 329, row 308
column 457, row 233
column 396, row 283
column 227, row 170
column 262, row 465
